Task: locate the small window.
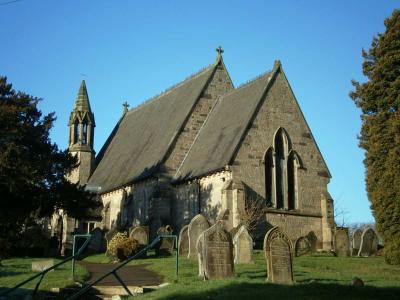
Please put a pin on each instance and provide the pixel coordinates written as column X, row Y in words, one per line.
column 84, row 133
column 76, row 131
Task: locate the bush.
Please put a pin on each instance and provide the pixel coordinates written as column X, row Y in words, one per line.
column 121, row 246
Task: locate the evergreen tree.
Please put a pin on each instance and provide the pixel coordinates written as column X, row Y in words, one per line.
column 379, row 100
column 32, row 168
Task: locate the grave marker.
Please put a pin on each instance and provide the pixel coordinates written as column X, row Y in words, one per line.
column 278, row 253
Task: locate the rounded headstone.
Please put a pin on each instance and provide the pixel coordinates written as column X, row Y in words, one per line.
column 278, row 254
column 184, row 241
column 369, row 243
column 302, row 246
column 196, row 227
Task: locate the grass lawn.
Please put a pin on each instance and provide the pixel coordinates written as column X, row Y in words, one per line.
column 317, row 277
column 16, row 270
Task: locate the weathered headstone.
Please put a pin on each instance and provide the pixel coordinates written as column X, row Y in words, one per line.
column 96, row 241
column 110, row 234
column 166, row 245
column 39, row 266
column 302, row 246
column 341, row 242
column 215, row 251
column 355, row 246
column 184, row 241
column 312, row 238
column 243, row 246
column 140, row 234
column 197, row 225
column 278, row 253
column 369, row 243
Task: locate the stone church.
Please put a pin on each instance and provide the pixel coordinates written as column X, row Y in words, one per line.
column 204, row 146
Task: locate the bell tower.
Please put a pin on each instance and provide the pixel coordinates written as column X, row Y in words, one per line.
column 81, row 134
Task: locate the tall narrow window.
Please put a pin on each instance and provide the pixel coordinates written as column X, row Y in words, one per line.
column 280, row 169
column 76, row 131
column 84, row 132
column 291, row 181
column 268, row 167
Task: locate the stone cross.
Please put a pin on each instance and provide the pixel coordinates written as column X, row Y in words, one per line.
column 126, row 106
column 219, row 50
column 278, row 253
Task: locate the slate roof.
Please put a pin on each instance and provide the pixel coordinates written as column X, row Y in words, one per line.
column 221, row 133
column 143, row 136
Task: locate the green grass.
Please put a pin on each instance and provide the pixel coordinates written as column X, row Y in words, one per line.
column 15, row 270
column 316, row 277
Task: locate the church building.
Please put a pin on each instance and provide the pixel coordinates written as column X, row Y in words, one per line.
column 204, row 146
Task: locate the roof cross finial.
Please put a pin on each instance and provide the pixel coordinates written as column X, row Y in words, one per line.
column 219, row 51
column 126, row 106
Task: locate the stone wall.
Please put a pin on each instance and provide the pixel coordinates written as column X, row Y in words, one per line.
column 219, row 84
column 112, row 201
column 280, row 110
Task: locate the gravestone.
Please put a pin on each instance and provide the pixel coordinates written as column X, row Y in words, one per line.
column 140, row 234
column 341, row 242
column 215, row 252
column 166, row 246
column 243, row 246
column 110, row 234
column 196, row 226
column 302, row 246
column 355, row 247
column 39, row 266
column 96, row 240
column 184, row 241
column 369, row 243
column 312, row 238
column 278, row 254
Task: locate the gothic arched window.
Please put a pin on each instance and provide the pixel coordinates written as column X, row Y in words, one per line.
column 280, row 170
column 268, row 173
column 76, row 132
column 280, row 182
column 84, row 132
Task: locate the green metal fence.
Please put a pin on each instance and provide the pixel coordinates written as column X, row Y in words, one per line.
column 138, row 254
column 43, row 273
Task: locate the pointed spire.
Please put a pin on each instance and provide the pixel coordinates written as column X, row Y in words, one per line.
column 82, row 99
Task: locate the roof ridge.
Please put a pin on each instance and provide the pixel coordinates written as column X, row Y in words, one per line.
column 248, row 82
column 171, row 88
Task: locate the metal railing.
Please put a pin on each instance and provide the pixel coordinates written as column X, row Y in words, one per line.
column 114, row 271
column 44, row 272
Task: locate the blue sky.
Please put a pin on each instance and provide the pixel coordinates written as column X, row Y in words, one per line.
column 131, row 50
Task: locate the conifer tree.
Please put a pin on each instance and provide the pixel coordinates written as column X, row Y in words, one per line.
column 379, row 100
column 32, row 168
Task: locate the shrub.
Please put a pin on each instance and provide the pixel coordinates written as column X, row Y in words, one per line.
column 121, row 246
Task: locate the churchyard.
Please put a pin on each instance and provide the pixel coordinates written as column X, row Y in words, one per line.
column 320, row 276
column 222, row 267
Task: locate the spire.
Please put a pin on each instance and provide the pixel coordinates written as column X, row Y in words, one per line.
column 82, row 100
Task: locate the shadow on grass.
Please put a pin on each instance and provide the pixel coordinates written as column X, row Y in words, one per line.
column 9, row 273
column 298, row 291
